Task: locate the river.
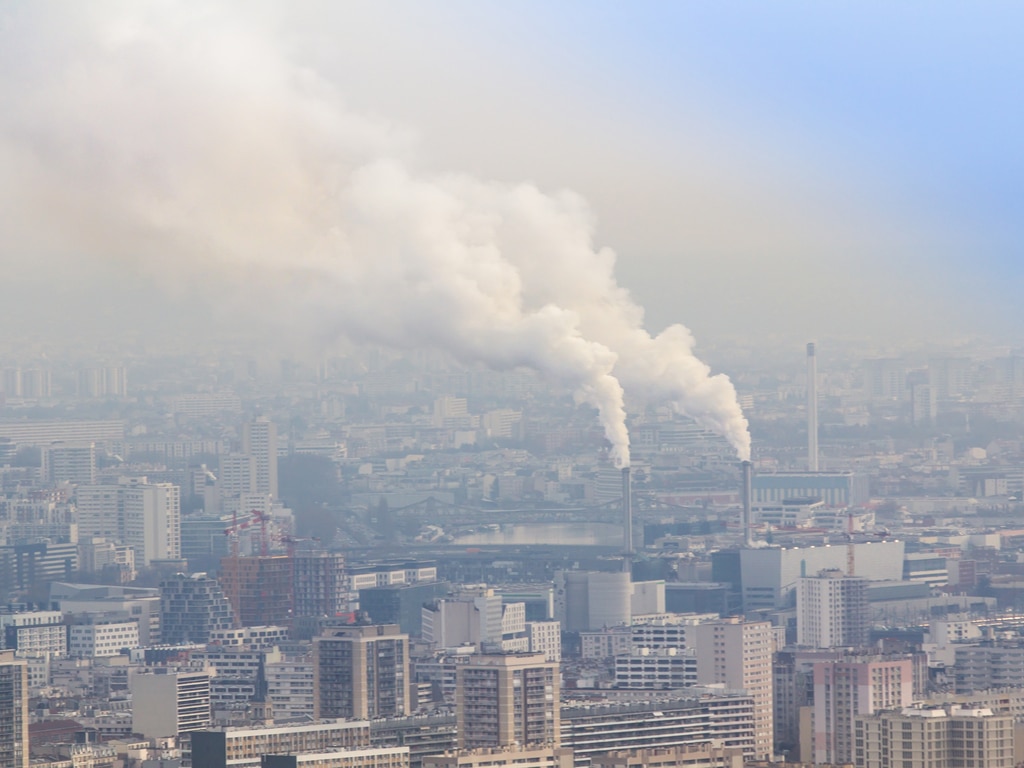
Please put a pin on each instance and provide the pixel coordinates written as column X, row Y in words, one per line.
column 567, row 534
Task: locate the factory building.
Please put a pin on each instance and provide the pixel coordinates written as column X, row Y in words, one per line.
column 767, row 576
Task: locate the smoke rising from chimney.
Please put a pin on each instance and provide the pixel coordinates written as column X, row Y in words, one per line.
column 184, row 143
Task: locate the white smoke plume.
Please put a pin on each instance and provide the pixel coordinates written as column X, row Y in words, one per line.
column 180, row 141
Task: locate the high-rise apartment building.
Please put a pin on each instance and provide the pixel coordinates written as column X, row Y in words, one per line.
column 506, row 699
column 236, row 478
column 99, row 511
column 885, row 379
column 290, row 688
column 989, row 664
column 320, row 584
column 259, row 440
column 924, row 404
column 361, row 672
column 166, row 702
column 452, row 413
column 850, row 686
column 145, row 516
column 832, row 611
column 152, row 521
column 13, row 711
column 936, row 737
column 738, row 654
column 106, row 381
column 69, row 463
column 30, row 383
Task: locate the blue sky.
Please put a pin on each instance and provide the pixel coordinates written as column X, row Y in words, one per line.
column 909, row 110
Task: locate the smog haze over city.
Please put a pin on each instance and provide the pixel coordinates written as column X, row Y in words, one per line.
column 759, row 173
column 656, row 365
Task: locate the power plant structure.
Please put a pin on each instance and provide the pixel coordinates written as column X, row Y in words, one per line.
column 812, row 409
column 747, row 495
column 627, row 513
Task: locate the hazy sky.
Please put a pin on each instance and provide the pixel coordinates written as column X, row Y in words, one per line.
column 802, row 170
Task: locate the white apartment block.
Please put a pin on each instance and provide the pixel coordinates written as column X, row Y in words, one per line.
column 99, row 511
column 832, row 611
column 738, row 654
column 236, row 477
column 102, row 638
column 259, row 440
column 545, row 637
column 290, row 689
column 201, row 404
column 386, row 575
column 145, row 516
column 45, row 432
column 668, row 631
column 34, row 632
column 603, row 643
column 69, row 463
column 236, row 663
column 152, row 521
column 663, row 668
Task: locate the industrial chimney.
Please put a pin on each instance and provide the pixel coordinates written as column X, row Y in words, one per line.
column 627, row 512
column 747, row 520
column 812, row 409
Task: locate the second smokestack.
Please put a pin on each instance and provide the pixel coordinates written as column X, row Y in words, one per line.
column 812, row 409
column 747, row 491
column 627, row 512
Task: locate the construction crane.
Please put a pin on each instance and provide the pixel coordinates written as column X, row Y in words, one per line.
column 232, row 572
column 236, row 527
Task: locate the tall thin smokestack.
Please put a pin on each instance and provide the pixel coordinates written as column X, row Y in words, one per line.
column 748, row 492
column 812, row 409
column 627, row 512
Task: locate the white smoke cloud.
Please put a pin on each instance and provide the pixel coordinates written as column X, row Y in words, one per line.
column 185, row 142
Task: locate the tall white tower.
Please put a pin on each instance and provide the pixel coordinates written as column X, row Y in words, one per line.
column 259, row 440
column 812, row 409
